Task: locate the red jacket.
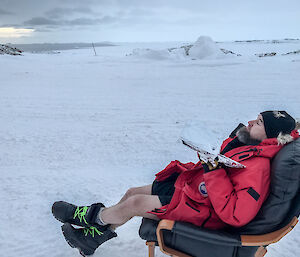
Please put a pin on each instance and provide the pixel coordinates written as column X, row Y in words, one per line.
column 221, row 197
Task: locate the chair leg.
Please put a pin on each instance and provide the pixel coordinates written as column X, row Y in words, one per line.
column 151, row 248
column 261, row 251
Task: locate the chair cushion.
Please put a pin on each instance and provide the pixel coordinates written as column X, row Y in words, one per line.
column 285, row 181
column 147, row 230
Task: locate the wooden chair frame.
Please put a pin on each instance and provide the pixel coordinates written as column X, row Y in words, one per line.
column 246, row 240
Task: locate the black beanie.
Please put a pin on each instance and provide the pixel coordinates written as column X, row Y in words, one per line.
column 276, row 122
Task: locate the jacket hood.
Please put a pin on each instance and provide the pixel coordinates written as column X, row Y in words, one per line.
column 270, row 146
column 272, row 141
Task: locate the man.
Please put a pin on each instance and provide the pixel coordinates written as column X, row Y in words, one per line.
column 211, row 196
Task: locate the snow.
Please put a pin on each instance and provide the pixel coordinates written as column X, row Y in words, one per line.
column 85, row 128
column 206, row 139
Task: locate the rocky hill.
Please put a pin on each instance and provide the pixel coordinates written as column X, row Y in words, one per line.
column 5, row 49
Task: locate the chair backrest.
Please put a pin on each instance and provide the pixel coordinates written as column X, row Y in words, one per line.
column 283, row 202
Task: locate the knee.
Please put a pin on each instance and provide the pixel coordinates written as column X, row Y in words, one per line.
column 131, row 192
column 134, row 202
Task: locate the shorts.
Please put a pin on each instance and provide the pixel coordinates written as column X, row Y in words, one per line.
column 164, row 189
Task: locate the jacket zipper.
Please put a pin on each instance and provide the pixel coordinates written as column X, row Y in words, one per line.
column 250, row 150
column 158, row 210
column 204, row 222
column 191, row 207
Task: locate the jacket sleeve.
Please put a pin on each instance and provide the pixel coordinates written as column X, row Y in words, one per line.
column 174, row 166
column 238, row 200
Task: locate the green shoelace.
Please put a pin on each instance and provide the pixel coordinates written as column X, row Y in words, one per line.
column 80, row 213
column 92, row 230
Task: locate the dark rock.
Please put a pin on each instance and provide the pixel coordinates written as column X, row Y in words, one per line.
column 266, row 54
column 5, row 49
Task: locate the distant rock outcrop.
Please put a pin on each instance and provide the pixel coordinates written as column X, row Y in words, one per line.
column 274, row 53
column 273, row 41
column 225, row 51
column 5, row 49
column 294, row 52
column 266, row 54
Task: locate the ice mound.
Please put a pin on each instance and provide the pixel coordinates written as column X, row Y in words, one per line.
column 203, row 48
column 164, row 54
column 151, row 54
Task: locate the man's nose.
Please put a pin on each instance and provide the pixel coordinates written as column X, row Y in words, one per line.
column 250, row 123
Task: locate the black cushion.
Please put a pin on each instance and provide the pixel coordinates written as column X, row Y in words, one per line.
column 285, row 181
column 147, row 230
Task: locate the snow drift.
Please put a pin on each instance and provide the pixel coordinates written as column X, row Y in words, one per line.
column 203, row 48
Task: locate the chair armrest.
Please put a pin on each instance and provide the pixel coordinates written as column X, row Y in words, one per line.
column 201, row 234
column 269, row 238
column 218, row 237
column 167, row 225
column 190, row 231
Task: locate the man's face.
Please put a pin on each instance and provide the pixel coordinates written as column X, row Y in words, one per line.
column 256, row 128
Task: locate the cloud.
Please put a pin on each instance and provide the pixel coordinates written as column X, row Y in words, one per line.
column 9, row 25
column 43, row 30
column 86, row 21
column 3, row 12
column 9, row 32
column 56, row 13
column 40, row 21
column 74, row 13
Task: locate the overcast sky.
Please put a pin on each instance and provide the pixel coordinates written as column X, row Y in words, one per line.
column 38, row 21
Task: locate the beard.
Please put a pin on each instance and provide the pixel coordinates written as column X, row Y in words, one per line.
column 243, row 136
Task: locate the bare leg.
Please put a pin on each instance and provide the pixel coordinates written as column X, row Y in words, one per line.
column 136, row 205
column 143, row 190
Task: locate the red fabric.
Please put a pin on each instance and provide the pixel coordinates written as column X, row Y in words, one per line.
column 227, row 201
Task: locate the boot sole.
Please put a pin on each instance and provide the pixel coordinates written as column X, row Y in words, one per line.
column 67, row 231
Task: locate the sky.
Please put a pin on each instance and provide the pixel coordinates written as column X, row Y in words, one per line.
column 65, row 21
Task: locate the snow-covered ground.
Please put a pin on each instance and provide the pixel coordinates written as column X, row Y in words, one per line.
column 84, row 128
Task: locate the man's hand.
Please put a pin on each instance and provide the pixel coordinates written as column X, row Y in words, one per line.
column 210, row 166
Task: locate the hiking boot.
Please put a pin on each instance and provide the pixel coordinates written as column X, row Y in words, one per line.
column 84, row 216
column 86, row 240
